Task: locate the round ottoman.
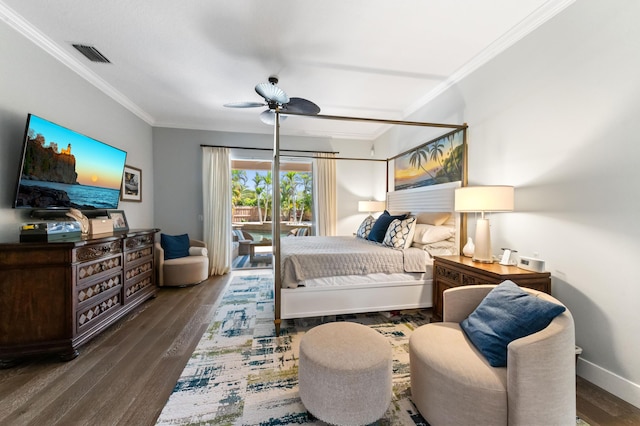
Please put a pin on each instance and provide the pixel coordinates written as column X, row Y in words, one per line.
column 344, row 374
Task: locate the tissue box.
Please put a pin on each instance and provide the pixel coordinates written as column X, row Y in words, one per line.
column 100, row 226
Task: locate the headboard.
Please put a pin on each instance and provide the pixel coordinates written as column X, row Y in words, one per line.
column 434, row 198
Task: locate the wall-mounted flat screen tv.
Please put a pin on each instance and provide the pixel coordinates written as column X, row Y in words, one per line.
column 62, row 168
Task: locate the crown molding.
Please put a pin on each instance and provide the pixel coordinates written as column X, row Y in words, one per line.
column 518, row 32
column 25, row 28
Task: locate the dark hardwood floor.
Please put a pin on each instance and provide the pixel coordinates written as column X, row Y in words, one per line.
column 125, row 375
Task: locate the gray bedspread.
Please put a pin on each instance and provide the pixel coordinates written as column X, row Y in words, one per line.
column 305, row 258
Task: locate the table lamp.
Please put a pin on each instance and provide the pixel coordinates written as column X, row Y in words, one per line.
column 483, row 199
column 371, row 206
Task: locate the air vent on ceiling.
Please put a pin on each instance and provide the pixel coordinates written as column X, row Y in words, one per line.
column 91, row 53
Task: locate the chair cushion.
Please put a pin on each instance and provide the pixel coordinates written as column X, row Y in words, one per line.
column 174, row 246
column 185, row 270
column 507, row 313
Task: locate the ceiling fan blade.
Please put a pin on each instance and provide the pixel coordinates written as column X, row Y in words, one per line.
column 272, row 93
column 302, row 106
column 244, row 104
column 269, row 117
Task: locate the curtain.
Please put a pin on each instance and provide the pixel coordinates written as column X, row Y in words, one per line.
column 326, row 194
column 216, row 198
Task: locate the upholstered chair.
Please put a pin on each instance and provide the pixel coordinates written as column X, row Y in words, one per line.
column 452, row 383
column 183, row 271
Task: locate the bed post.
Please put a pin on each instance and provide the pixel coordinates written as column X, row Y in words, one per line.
column 275, row 220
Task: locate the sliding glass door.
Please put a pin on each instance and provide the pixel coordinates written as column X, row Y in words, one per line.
column 252, row 192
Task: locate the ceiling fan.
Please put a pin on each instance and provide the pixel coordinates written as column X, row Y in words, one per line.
column 274, row 97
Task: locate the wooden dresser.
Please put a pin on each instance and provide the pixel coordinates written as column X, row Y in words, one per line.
column 56, row 296
column 455, row 271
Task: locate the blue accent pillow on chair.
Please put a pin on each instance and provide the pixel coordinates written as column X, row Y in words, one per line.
column 379, row 229
column 507, row 313
column 174, row 246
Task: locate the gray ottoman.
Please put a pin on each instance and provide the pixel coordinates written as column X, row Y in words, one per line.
column 345, row 373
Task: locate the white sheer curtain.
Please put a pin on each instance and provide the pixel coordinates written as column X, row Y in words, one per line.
column 216, row 198
column 325, row 180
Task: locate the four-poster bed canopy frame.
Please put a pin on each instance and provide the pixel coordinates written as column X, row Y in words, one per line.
column 277, row 267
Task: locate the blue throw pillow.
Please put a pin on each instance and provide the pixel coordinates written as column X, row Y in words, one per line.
column 175, row 246
column 507, row 313
column 379, row 229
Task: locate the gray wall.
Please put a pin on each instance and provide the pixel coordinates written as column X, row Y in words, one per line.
column 32, row 81
column 556, row 116
column 177, row 159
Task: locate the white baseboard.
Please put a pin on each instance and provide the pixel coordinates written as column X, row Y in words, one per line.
column 611, row 382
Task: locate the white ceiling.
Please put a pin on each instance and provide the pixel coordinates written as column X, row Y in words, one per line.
column 176, row 63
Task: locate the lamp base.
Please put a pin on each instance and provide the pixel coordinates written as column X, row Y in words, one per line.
column 482, row 252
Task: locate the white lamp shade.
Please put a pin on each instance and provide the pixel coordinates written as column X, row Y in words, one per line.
column 484, row 199
column 371, row 206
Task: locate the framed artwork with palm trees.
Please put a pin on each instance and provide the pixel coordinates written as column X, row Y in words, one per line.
column 438, row 161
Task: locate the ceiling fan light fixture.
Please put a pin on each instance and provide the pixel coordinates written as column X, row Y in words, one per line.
column 269, row 117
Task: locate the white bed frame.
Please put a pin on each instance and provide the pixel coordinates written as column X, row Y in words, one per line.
column 305, row 302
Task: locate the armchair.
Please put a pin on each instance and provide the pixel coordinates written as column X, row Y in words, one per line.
column 183, row 271
column 453, row 383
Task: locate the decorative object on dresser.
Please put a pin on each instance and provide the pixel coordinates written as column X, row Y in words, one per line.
column 57, row 230
column 468, row 248
column 80, row 218
column 119, row 220
column 483, row 199
column 100, row 226
column 456, row 271
column 75, row 289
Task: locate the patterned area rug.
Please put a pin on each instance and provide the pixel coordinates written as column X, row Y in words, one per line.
column 241, row 374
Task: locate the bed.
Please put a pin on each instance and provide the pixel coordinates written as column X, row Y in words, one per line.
column 398, row 279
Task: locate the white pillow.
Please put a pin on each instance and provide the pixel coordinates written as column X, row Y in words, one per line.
column 433, row 218
column 198, row 251
column 427, row 234
column 440, row 248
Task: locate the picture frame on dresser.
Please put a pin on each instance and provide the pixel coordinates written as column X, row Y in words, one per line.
column 119, row 220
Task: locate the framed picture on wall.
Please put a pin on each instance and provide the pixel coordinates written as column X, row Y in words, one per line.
column 438, row 161
column 119, row 220
column 131, row 184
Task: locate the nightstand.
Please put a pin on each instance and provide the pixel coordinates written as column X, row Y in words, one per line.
column 456, row 271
